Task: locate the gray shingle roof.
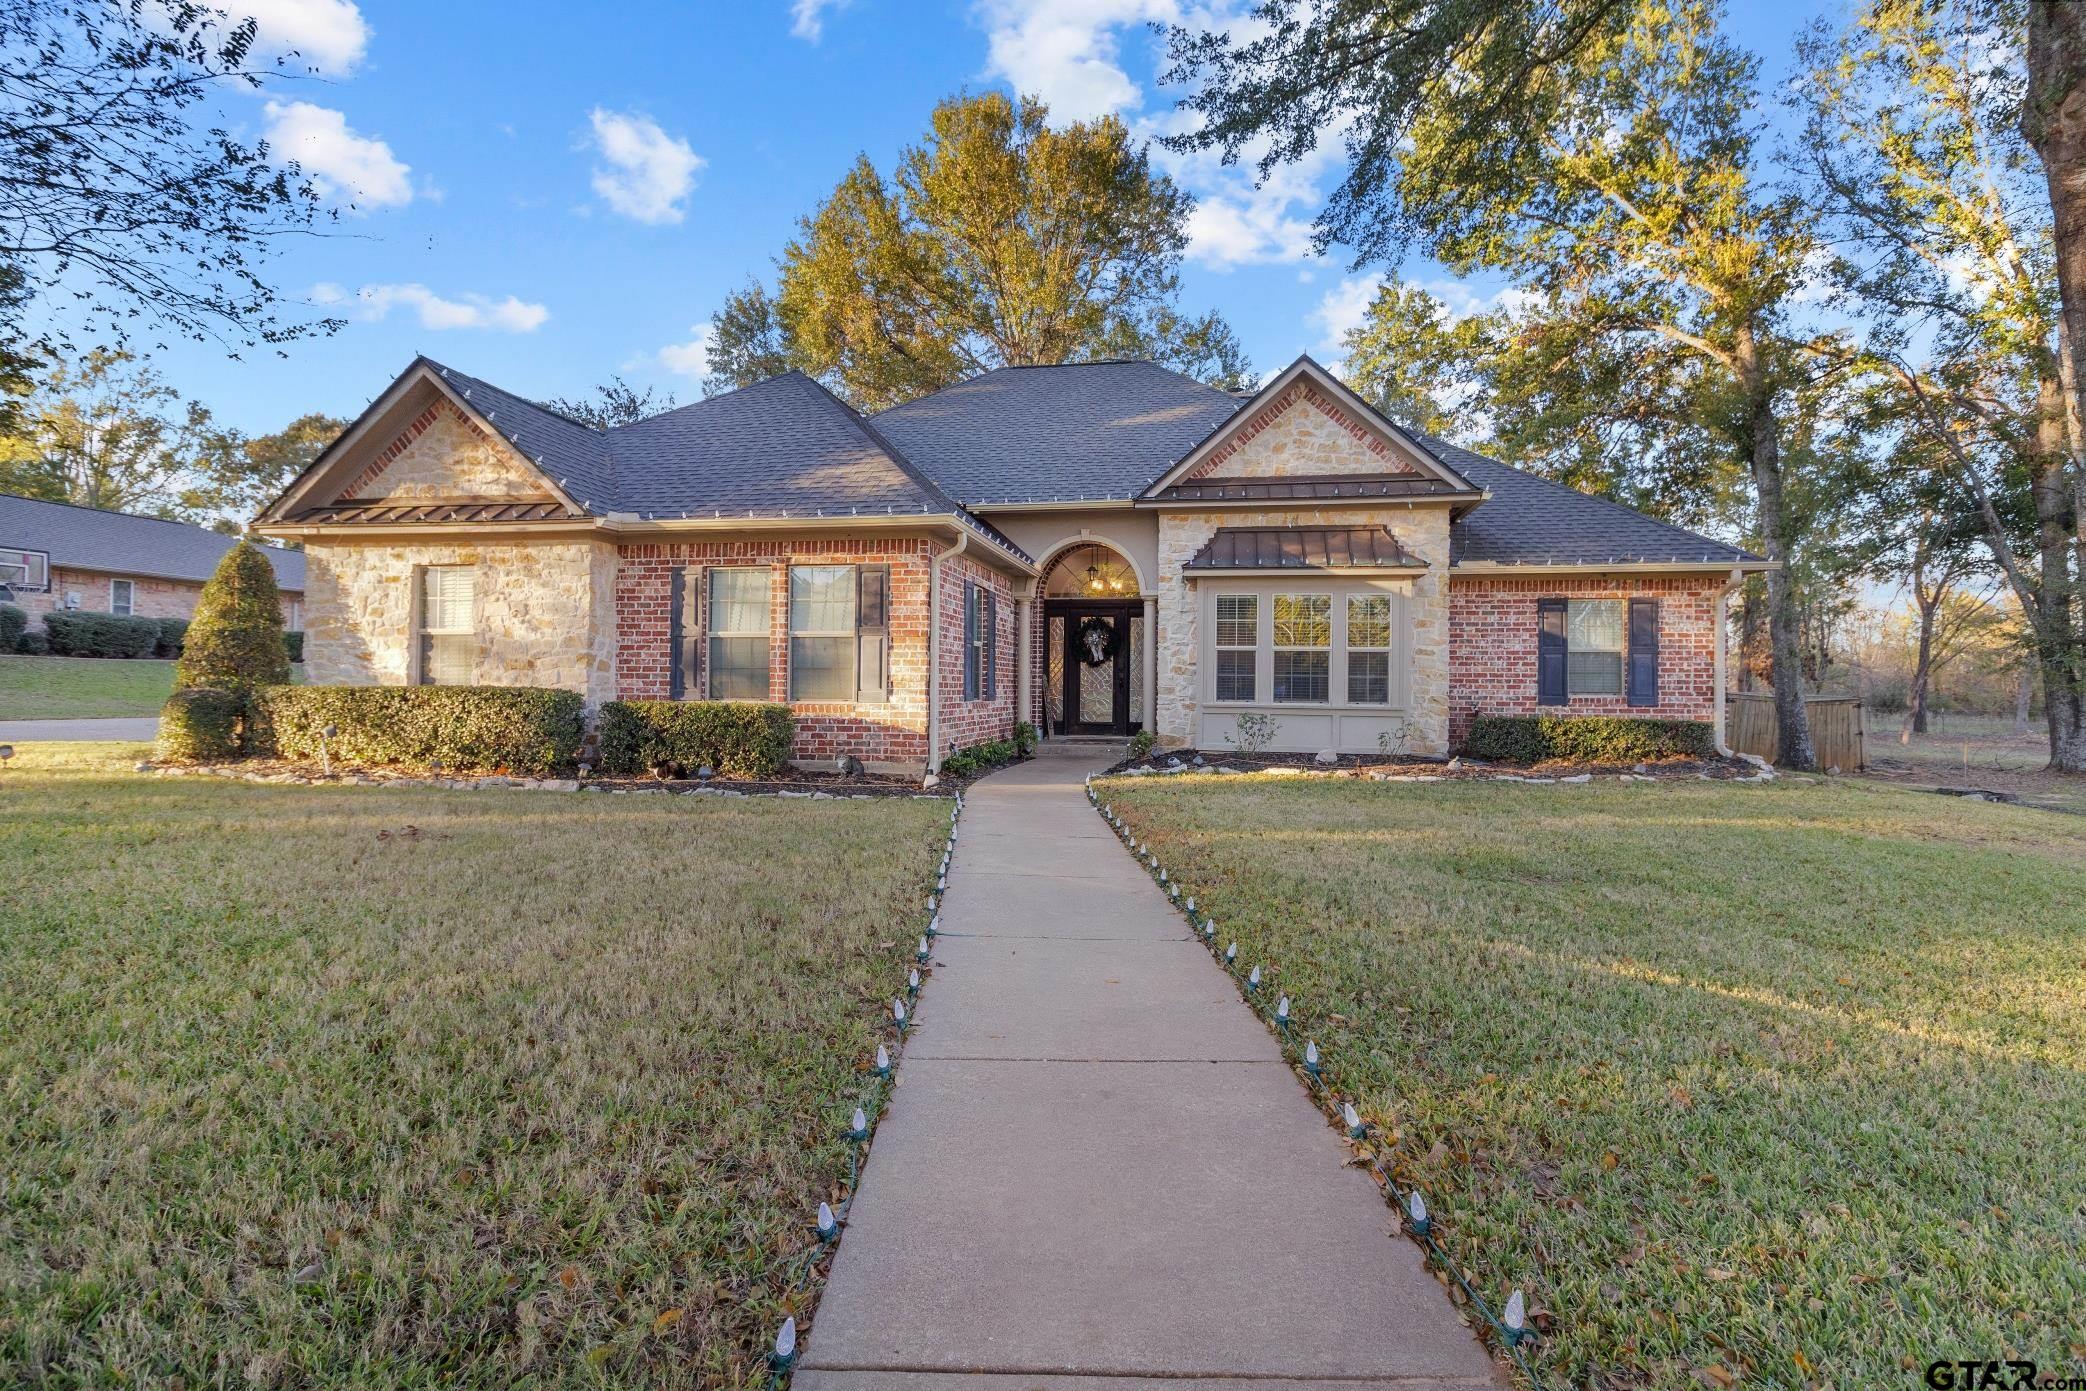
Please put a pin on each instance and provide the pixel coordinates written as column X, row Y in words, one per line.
column 120, row 543
column 1057, row 434
column 1530, row 520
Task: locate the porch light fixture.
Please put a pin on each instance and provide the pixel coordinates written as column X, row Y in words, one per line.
column 1416, row 1213
column 828, row 1227
column 1353, row 1118
column 1093, row 578
column 785, row 1355
column 883, row 1061
column 1311, row 1065
column 858, row 1127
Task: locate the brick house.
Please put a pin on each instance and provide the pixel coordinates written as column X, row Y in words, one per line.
column 54, row 555
column 1095, row 548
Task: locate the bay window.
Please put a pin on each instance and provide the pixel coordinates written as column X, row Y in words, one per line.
column 1303, row 648
column 1369, row 649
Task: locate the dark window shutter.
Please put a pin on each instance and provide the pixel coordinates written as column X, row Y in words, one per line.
column 873, row 634
column 1550, row 652
column 684, row 631
column 1644, row 652
column 992, row 645
column 970, row 641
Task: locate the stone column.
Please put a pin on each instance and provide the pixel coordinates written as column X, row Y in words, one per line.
column 1024, row 641
column 1151, row 665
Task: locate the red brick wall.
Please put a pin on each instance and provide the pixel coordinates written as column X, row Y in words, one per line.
column 1492, row 645
column 150, row 598
column 967, row 722
column 893, row 732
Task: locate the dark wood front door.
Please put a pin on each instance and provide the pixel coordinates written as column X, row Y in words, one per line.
column 1096, row 664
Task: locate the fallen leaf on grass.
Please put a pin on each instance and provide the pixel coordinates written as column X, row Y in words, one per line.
column 665, row 1321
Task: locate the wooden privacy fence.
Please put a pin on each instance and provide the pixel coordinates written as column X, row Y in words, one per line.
column 1839, row 728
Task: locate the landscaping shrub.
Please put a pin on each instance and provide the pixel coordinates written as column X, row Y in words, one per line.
column 171, row 632
column 1024, row 738
column 13, row 623
column 235, row 641
column 34, row 643
column 293, row 643
column 1587, row 738
column 525, row 730
column 979, row 757
column 1142, row 743
column 199, row 725
column 78, row 633
column 739, row 738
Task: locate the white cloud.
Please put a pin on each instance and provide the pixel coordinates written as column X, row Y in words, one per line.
column 648, row 172
column 808, row 17
column 374, row 302
column 327, row 35
column 338, row 160
column 690, row 359
column 1066, row 51
column 1340, row 311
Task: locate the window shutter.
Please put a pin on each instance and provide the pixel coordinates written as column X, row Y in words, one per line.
column 970, row 641
column 873, row 634
column 1644, row 652
column 683, row 622
column 1550, row 652
column 992, row 645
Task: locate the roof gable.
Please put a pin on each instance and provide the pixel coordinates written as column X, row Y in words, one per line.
column 1306, row 422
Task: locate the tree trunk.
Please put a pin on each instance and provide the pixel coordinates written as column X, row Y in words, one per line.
column 2053, row 118
column 1792, row 722
column 1922, row 673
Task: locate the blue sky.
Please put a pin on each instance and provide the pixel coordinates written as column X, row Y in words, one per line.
column 544, row 199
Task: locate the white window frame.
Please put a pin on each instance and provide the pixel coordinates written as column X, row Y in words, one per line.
column 713, row 634
column 854, row 589
column 24, row 570
column 423, row 629
column 1621, row 650
column 129, row 606
column 1219, row 646
column 1389, row 646
column 1276, row 648
column 1397, row 590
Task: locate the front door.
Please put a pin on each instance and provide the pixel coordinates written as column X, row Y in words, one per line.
column 1096, row 659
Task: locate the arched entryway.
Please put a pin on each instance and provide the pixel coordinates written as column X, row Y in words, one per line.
column 1096, row 644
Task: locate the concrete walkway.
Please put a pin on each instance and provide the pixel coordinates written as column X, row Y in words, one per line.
column 1097, row 1171
column 143, row 730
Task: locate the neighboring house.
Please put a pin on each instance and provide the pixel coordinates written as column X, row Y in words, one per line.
column 1096, row 548
column 54, row 555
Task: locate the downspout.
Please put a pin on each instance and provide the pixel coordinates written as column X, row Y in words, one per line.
column 1723, row 622
column 934, row 648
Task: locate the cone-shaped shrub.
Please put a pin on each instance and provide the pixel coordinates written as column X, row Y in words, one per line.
column 234, row 642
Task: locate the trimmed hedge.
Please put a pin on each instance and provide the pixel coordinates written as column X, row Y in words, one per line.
column 200, row 725
column 13, row 623
column 739, row 738
column 79, row 633
column 293, row 643
column 172, row 631
column 1587, row 738
column 34, row 643
column 235, row 642
column 525, row 730
column 978, row 758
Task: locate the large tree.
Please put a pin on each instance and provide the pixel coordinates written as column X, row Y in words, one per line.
column 121, row 203
column 1947, row 251
column 108, row 432
column 1000, row 240
column 1600, row 153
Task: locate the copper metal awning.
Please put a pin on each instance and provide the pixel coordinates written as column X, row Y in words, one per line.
column 1292, row 548
column 382, row 512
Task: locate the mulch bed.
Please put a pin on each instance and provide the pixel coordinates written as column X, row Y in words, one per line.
column 793, row 782
column 1376, row 767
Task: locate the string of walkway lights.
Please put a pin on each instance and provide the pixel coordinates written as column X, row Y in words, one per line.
column 1511, row 1323
column 827, row 1223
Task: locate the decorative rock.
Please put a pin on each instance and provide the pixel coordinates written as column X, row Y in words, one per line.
column 1578, row 777
column 1326, row 758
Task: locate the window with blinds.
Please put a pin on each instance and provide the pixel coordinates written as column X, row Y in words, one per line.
column 448, row 625
column 739, row 626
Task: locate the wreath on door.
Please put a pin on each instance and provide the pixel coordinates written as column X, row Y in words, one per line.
column 1098, row 639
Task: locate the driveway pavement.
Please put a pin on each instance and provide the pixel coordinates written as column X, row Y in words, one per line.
column 1097, row 1173
column 143, row 730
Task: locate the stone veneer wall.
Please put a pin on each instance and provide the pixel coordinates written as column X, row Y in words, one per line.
column 1492, row 645
column 967, row 722
column 1423, row 531
column 890, row 734
column 150, row 598
column 1300, row 432
column 445, row 454
column 544, row 612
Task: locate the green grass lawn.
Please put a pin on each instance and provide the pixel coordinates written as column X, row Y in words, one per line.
column 1778, row 1084
column 548, row 1087
column 82, row 688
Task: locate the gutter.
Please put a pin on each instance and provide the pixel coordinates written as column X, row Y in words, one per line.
column 934, row 648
